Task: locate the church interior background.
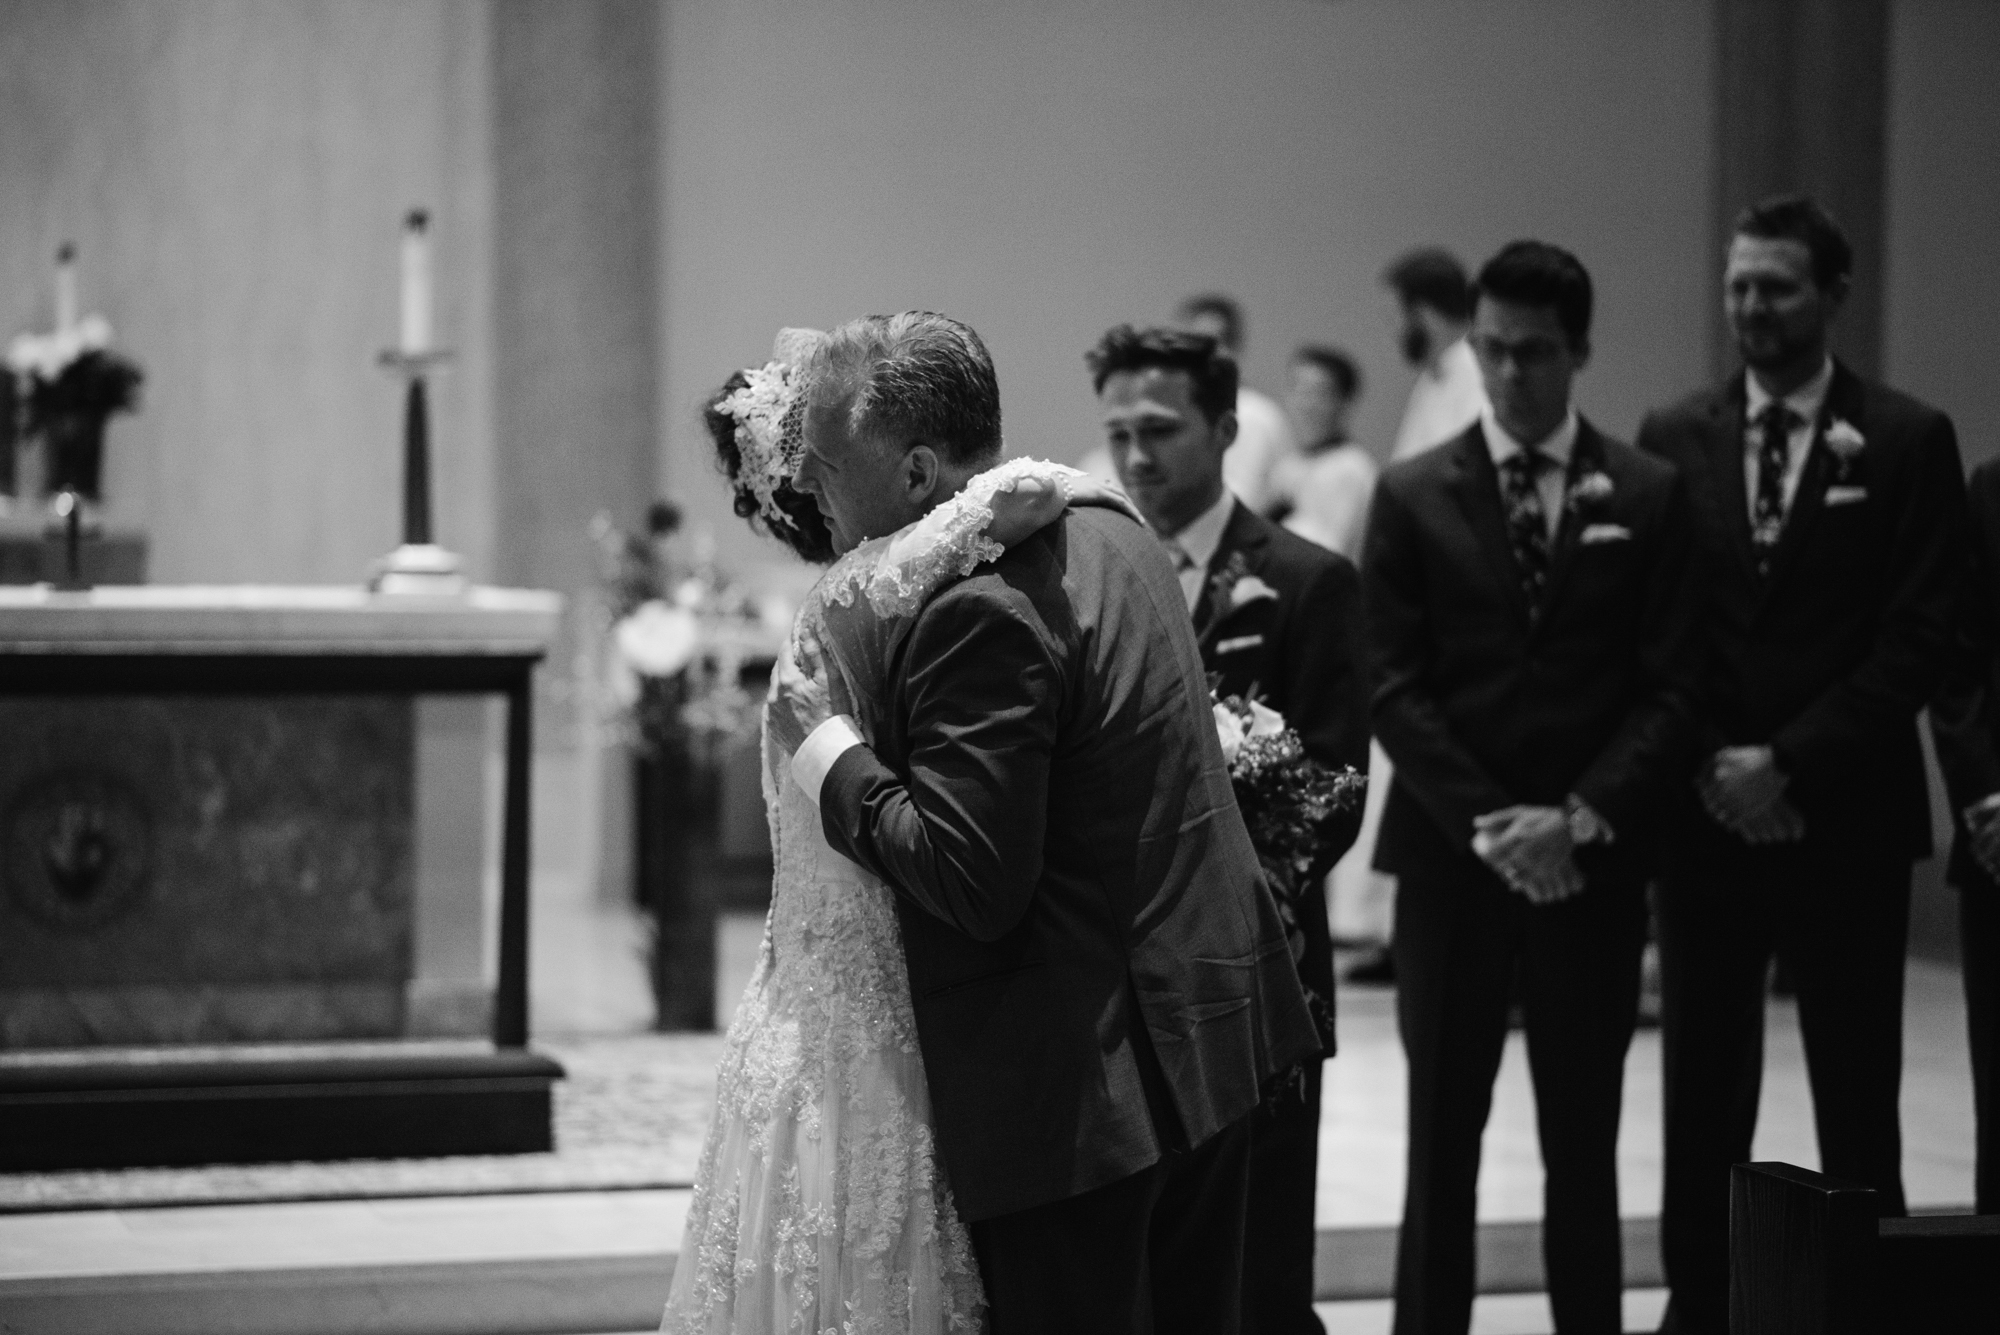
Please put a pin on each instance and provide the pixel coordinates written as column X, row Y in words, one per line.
column 431, row 850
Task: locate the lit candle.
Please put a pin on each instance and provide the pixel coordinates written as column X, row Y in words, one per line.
column 416, row 284
column 66, row 287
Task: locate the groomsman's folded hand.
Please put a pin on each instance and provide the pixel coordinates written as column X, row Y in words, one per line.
column 1530, row 849
column 1744, row 791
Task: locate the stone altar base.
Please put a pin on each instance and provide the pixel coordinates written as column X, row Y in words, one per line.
column 197, row 870
column 245, row 1105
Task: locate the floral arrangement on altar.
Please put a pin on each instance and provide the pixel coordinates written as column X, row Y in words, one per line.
column 680, row 635
column 61, row 387
column 73, row 372
column 1286, row 798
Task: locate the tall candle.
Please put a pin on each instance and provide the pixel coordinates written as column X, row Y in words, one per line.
column 65, row 287
column 416, row 284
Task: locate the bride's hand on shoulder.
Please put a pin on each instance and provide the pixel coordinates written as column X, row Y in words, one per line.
column 1041, row 494
column 1089, row 489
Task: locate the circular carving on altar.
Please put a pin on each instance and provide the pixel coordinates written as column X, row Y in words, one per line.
column 76, row 849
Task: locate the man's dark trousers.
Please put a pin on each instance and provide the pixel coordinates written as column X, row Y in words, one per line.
column 1138, row 1257
column 1464, row 945
column 1837, row 912
column 1979, row 937
column 1279, row 1238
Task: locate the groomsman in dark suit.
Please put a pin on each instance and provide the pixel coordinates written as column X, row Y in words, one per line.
column 1279, row 618
column 1831, row 514
column 1533, row 618
column 1966, row 720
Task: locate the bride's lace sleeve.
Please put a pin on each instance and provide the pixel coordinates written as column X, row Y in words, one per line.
column 996, row 509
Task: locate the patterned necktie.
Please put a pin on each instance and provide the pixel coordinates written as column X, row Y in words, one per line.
column 1527, row 524
column 1774, row 449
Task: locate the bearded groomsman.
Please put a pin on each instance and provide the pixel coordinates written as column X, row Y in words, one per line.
column 1533, row 619
column 1831, row 514
column 1278, row 618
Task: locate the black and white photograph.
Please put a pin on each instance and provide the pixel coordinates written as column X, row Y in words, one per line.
column 1048, row 667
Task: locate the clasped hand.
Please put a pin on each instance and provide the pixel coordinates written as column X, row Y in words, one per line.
column 1530, row 849
column 1744, row 791
column 802, row 700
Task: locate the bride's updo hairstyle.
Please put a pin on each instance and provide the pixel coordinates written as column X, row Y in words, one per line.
column 797, row 521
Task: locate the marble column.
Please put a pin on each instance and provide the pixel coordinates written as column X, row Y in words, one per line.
column 575, row 287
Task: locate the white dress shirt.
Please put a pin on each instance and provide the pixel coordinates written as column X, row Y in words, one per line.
column 1805, row 403
column 1446, row 399
column 1551, row 483
column 1263, row 442
column 822, row 746
column 1199, row 540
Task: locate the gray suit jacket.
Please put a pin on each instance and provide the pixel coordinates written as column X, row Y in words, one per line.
column 1097, row 967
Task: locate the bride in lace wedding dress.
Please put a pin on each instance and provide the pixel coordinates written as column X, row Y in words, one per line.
column 820, row 1206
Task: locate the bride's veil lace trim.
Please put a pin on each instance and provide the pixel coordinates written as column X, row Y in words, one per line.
column 770, row 420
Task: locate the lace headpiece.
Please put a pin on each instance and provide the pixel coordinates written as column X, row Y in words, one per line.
column 769, row 422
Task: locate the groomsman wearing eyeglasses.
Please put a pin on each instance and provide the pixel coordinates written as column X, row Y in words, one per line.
column 1533, row 621
column 1831, row 514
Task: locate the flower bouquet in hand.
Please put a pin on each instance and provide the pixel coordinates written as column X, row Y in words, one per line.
column 1287, row 799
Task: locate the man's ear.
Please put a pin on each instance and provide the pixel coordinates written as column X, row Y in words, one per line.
column 1834, row 294
column 1225, row 427
column 1579, row 352
column 920, row 473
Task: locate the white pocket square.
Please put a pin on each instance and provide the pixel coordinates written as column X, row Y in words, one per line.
column 1240, row 642
column 1605, row 533
column 1845, row 495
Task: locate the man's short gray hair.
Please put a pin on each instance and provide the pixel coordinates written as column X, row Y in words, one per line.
column 914, row 378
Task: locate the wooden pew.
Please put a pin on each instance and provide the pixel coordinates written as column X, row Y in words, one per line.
column 1811, row 1255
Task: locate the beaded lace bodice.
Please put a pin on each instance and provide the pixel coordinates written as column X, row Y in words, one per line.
column 821, row 1172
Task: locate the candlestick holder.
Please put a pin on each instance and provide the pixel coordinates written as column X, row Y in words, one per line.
column 419, row 566
column 68, row 511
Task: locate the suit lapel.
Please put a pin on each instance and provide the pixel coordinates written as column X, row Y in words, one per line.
column 1843, row 400
column 1725, row 459
column 1240, row 534
column 1475, row 484
column 1586, row 457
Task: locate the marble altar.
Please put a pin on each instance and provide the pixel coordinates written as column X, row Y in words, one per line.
column 247, row 821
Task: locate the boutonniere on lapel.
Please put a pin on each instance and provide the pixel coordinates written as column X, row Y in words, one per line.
column 1844, row 442
column 1590, row 491
column 1231, row 588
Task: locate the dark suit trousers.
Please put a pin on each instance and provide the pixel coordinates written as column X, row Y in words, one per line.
column 1156, row 1253
column 1979, row 939
column 1279, row 1235
column 1464, row 945
column 1838, row 915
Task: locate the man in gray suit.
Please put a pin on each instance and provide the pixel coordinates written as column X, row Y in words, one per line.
column 1101, row 981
